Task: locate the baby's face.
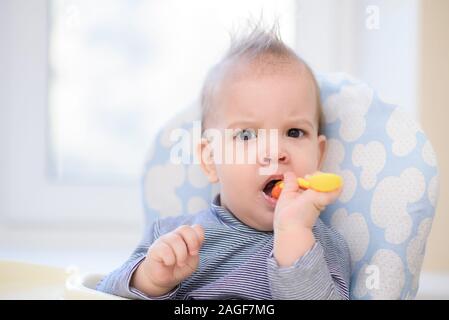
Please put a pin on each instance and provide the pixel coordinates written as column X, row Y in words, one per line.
column 285, row 101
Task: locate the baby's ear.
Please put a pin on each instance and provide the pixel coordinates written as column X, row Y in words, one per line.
column 322, row 150
column 206, row 157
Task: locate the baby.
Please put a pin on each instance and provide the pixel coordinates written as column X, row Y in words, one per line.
column 248, row 245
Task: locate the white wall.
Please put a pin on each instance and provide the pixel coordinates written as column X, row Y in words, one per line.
column 28, row 194
column 337, row 36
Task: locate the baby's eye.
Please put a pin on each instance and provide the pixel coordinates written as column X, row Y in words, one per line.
column 246, row 134
column 295, row 133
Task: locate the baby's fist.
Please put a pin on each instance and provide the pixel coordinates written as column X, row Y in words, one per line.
column 171, row 258
column 299, row 208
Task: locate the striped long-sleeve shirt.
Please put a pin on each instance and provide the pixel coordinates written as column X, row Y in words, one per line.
column 237, row 262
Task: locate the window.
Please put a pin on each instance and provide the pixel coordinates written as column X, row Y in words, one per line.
column 120, row 69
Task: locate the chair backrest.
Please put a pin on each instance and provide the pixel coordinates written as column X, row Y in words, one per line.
column 386, row 209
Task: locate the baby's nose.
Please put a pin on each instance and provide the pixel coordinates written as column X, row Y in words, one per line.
column 282, row 158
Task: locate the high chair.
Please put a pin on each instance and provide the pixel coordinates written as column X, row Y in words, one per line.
column 390, row 190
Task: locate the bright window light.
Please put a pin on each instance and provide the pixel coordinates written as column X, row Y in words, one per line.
column 120, row 69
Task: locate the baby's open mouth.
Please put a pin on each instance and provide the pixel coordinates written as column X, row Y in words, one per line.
column 269, row 186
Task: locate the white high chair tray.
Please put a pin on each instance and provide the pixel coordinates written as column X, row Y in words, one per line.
column 20, row 280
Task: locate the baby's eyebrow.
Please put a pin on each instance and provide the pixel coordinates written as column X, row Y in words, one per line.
column 255, row 124
column 243, row 124
column 301, row 121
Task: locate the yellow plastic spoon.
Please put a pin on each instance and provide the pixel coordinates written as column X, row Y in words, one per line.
column 322, row 182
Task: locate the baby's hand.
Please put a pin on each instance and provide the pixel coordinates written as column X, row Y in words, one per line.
column 294, row 216
column 170, row 259
column 298, row 208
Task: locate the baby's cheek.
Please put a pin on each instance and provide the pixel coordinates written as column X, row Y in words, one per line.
column 234, row 177
column 304, row 162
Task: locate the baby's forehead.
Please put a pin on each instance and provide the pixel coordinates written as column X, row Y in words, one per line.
column 282, row 82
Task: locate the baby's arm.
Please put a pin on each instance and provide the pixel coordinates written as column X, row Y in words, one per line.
column 134, row 280
column 170, row 259
column 294, row 217
column 299, row 268
column 323, row 272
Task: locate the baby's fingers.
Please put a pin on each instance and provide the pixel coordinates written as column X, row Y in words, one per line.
column 326, row 198
column 290, row 182
column 333, row 195
column 192, row 237
column 322, row 199
column 162, row 252
column 199, row 232
column 179, row 247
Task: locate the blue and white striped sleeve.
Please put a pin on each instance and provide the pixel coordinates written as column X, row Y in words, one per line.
column 118, row 282
column 322, row 273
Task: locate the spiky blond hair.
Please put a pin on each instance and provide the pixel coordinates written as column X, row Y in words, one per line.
column 261, row 46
